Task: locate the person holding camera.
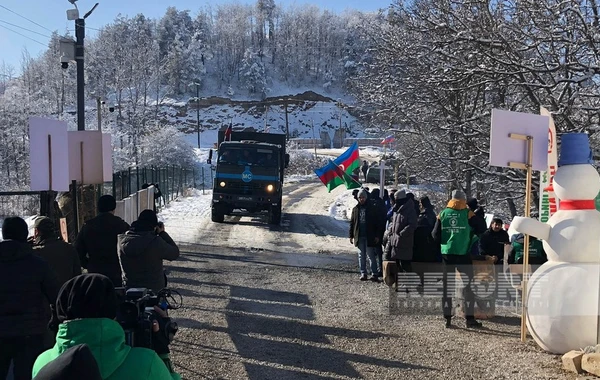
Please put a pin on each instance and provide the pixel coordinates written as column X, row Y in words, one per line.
column 85, row 313
column 142, row 250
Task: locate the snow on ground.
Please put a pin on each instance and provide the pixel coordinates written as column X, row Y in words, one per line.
column 183, row 213
column 341, row 208
column 295, row 178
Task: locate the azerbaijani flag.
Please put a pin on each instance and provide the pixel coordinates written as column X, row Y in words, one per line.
column 349, row 161
column 338, row 171
column 332, row 176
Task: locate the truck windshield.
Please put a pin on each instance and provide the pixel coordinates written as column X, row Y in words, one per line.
column 252, row 156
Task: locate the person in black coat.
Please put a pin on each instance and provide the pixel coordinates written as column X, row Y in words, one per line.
column 492, row 242
column 479, row 224
column 27, row 287
column 97, row 241
column 364, row 234
column 379, row 204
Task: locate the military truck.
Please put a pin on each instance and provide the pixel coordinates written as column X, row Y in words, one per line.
column 249, row 174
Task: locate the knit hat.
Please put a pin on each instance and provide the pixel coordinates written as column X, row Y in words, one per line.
column 148, row 217
column 86, row 296
column 107, row 203
column 473, row 203
column 459, row 195
column 363, row 193
column 15, row 228
column 400, row 194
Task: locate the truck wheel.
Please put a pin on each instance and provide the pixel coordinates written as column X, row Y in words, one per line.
column 275, row 216
column 217, row 216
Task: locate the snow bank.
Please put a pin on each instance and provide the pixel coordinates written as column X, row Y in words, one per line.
column 192, row 206
column 341, row 208
column 295, row 178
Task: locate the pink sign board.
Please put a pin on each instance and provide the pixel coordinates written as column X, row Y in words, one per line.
column 504, row 149
column 48, row 155
column 86, row 157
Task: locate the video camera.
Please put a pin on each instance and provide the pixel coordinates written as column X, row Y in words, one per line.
column 136, row 314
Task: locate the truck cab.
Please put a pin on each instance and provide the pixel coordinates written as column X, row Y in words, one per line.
column 249, row 176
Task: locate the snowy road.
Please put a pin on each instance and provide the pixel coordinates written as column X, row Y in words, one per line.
column 306, row 224
column 264, row 302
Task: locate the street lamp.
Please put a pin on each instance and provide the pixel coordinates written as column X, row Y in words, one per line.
column 197, row 84
column 77, row 46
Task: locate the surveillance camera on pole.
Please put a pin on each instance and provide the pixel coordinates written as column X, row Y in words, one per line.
column 67, row 52
column 73, row 14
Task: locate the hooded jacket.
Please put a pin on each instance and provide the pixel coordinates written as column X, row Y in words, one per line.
column 28, row 284
column 141, row 254
column 402, row 232
column 491, row 243
column 106, row 340
column 97, row 245
column 76, row 363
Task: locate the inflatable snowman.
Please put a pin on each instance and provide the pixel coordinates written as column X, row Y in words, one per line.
column 563, row 305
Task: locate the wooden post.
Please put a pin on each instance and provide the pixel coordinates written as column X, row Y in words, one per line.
column 50, row 162
column 527, row 166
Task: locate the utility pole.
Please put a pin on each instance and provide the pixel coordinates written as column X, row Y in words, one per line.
column 314, row 138
column 198, row 112
column 266, row 116
column 287, row 127
column 73, row 14
column 99, row 108
column 79, row 53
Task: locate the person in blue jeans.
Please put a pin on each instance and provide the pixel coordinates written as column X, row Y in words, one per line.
column 365, row 232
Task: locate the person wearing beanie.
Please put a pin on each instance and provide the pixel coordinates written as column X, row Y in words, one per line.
column 96, row 243
column 142, row 250
column 478, row 222
column 365, row 232
column 85, row 313
column 453, row 232
column 27, row 287
column 402, row 230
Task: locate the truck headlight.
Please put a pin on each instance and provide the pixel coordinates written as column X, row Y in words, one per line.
column 222, row 184
column 270, row 188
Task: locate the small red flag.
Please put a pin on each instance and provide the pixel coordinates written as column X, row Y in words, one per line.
column 228, row 133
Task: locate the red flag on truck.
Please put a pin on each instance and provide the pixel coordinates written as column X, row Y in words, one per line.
column 228, row 132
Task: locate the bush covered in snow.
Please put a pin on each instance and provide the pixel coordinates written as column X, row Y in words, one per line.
column 302, row 162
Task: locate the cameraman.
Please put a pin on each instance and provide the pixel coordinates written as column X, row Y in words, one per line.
column 142, row 250
column 85, row 311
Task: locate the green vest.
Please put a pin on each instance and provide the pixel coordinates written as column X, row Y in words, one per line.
column 456, row 232
column 535, row 248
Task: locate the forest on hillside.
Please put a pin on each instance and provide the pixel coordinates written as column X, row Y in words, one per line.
column 429, row 71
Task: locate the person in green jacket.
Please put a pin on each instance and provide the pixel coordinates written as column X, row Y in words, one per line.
column 452, row 232
column 85, row 312
column 537, row 255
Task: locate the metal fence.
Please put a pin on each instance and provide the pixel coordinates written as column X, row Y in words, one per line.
column 79, row 204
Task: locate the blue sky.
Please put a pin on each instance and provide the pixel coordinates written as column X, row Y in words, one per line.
column 51, row 15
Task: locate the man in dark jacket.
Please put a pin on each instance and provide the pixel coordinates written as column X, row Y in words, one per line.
column 97, row 241
column 402, row 232
column 380, row 206
column 492, row 242
column 142, row 250
column 452, row 232
column 365, row 169
column 364, row 234
column 28, row 285
column 61, row 256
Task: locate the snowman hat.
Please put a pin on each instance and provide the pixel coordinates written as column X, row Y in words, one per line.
column 575, row 149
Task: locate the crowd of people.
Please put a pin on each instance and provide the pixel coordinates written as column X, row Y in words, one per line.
column 393, row 229
column 55, row 319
